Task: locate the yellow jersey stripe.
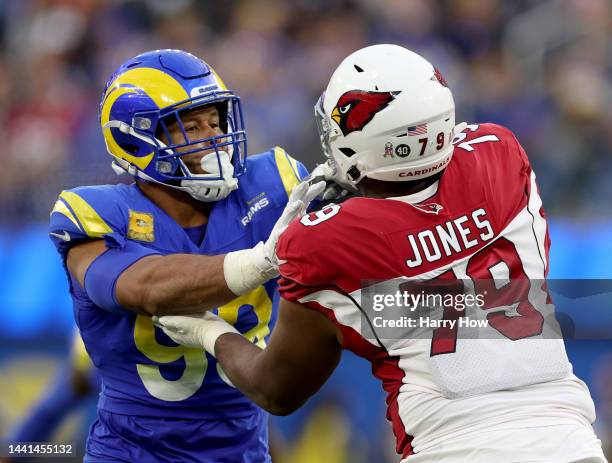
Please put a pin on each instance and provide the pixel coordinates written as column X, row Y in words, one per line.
column 61, row 208
column 287, row 168
column 294, row 166
column 92, row 223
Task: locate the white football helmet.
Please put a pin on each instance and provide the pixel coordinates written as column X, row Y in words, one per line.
column 387, row 114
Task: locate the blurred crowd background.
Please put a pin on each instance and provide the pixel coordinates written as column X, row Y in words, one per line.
column 541, row 68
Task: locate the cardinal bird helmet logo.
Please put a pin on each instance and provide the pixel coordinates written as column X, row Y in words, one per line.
column 356, row 108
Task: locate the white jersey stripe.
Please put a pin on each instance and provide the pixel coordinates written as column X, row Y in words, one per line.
column 539, row 223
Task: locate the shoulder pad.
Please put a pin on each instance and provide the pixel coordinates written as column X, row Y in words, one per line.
column 82, row 214
column 278, row 170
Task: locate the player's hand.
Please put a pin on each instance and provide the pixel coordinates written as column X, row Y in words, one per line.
column 199, row 331
column 301, row 196
column 245, row 270
column 335, row 188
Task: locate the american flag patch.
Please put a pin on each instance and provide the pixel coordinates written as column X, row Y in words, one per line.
column 417, row 130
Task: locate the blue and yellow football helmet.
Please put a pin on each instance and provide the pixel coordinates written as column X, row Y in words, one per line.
column 152, row 91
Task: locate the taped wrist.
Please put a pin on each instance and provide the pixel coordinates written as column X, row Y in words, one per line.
column 247, row 269
column 215, row 327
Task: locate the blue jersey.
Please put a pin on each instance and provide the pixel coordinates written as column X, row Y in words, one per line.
column 143, row 372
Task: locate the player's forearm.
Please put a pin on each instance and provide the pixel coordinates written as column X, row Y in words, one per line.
column 253, row 374
column 174, row 284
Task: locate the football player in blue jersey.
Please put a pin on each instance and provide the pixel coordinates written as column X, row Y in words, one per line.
column 196, row 231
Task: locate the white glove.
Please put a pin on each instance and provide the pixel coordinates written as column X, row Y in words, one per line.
column 335, row 188
column 199, row 331
column 245, row 270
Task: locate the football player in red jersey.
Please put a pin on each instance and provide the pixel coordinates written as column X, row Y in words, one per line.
column 440, row 202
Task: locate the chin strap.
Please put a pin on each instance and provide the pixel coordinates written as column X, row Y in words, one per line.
column 127, row 129
column 121, row 166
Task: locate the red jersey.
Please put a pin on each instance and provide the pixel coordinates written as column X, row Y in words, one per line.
column 483, row 220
